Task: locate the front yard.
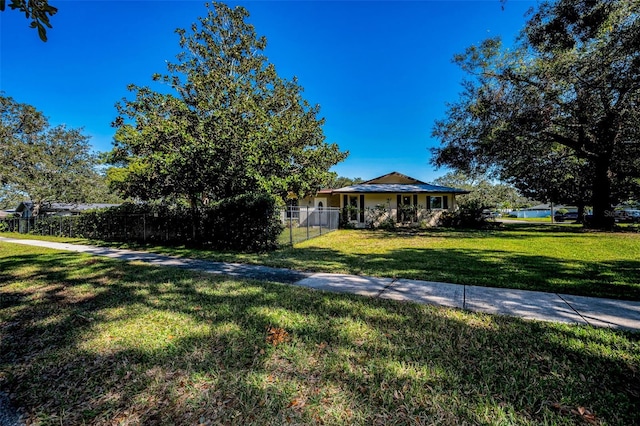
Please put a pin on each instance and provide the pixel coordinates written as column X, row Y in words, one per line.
column 559, row 259
column 89, row 340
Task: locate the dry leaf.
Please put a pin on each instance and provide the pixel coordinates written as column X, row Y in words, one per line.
column 276, row 335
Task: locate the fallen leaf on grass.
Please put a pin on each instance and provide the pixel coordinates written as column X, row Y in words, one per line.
column 296, row 403
column 579, row 411
column 585, row 414
column 276, row 335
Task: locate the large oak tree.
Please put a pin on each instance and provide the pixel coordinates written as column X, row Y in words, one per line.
column 561, row 105
column 227, row 125
column 45, row 164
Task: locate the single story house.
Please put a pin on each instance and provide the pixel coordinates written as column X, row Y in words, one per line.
column 394, row 196
column 26, row 208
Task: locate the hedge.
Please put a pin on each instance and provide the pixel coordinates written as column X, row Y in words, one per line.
column 248, row 222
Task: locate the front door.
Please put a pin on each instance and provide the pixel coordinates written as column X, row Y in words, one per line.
column 406, row 213
column 320, row 214
column 407, row 208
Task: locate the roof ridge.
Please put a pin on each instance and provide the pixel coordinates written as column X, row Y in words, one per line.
column 417, row 181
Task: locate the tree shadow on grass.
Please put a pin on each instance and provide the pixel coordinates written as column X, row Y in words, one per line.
column 88, row 340
column 619, row 279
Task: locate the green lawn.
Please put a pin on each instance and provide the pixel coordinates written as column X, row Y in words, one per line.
column 564, row 259
column 88, row 340
column 298, row 234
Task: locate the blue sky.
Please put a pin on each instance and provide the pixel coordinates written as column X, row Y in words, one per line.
column 381, row 71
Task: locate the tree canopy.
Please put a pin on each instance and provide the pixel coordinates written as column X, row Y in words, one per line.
column 228, row 124
column 44, row 163
column 38, row 11
column 557, row 114
column 336, row 181
column 484, row 193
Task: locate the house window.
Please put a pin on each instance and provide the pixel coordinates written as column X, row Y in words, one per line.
column 293, row 209
column 435, row 203
column 353, row 211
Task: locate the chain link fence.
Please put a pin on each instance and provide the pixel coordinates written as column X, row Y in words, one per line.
column 129, row 227
column 300, row 224
column 303, row 223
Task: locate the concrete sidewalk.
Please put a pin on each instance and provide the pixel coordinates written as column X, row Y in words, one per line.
column 518, row 303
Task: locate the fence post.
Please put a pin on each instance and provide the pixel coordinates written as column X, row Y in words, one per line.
column 307, row 222
column 291, row 225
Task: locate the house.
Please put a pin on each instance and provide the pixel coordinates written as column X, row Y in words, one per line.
column 26, row 208
column 394, row 196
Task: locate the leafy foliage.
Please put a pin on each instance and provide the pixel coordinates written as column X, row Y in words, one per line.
column 248, row 222
column 559, row 107
column 37, row 10
column 9, row 198
column 469, row 216
column 483, row 192
column 230, row 126
column 44, row 163
column 336, row 181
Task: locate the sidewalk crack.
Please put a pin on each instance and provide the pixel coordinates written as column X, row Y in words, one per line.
column 464, row 297
column 573, row 309
column 386, row 287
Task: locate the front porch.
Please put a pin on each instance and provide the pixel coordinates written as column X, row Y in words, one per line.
column 372, row 210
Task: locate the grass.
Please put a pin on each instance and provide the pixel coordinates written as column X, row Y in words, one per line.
column 562, row 259
column 98, row 341
column 298, row 234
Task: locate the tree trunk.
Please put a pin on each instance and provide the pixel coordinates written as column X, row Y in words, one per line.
column 193, row 204
column 602, row 212
column 580, row 218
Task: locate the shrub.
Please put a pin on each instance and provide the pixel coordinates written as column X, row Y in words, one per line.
column 379, row 217
column 467, row 217
column 345, row 214
column 247, row 222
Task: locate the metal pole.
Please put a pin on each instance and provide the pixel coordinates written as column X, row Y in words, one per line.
column 144, row 227
column 291, row 225
column 308, row 222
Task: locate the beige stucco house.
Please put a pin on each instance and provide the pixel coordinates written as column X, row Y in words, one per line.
column 394, row 196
